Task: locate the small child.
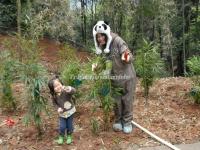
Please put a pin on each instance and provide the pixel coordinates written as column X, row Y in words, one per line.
column 62, row 99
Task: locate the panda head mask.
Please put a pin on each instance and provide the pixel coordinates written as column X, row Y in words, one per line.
column 102, row 27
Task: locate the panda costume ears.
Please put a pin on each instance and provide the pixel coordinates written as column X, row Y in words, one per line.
column 102, row 27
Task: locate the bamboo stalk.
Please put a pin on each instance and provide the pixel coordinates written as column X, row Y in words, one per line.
column 155, row 137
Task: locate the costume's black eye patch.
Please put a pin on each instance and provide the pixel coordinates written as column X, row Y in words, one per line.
column 105, row 26
column 95, row 28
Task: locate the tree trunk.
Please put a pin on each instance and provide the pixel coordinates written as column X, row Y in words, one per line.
column 19, row 17
column 82, row 20
column 183, row 37
column 196, row 20
column 188, row 22
column 92, row 11
column 95, row 10
column 179, row 70
column 85, row 22
column 142, row 20
column 183, row 12
column 120, row 24
column 152, row 37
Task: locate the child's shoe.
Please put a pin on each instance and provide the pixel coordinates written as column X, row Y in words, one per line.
column 69, row 139
column 60, row 140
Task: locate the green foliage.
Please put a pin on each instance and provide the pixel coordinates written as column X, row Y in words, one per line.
column 70, row 66
column 67, row 54
column 195, row 31
column 34, row 75
column 95, row 126
column 35, row 79
column 148, row 65
column 101, row 90
column 36, row 24
column 102, row 94
column 50, row 17
column 193, row 64
column 120, row 15
column 195, row 93
column 101, row 64
column 70, row 69
column 8, row 15
column 8, row 73
column 4, row 55
column 22, row 49
column 26, row 52
column 29, row 50
column 8, row 100
column 70, row 72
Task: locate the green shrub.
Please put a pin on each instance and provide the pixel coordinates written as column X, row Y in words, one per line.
column 148, row 65
column 8, row 68
column 193, row 65
column 35, row 78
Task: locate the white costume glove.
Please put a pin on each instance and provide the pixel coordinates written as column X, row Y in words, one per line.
column 60, row 110
column 106, row 51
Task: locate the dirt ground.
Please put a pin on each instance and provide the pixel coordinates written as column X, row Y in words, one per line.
column 170, row 114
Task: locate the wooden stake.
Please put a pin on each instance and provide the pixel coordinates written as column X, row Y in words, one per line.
column 155, row 137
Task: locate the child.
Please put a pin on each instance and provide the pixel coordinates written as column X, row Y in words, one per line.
column 62, row 99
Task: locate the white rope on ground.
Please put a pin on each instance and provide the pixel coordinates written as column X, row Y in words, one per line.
column 155, row 137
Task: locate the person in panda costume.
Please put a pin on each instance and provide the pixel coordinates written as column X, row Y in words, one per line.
column 117, row 51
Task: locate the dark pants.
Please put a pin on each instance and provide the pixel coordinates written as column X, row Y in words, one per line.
column 66, row 124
